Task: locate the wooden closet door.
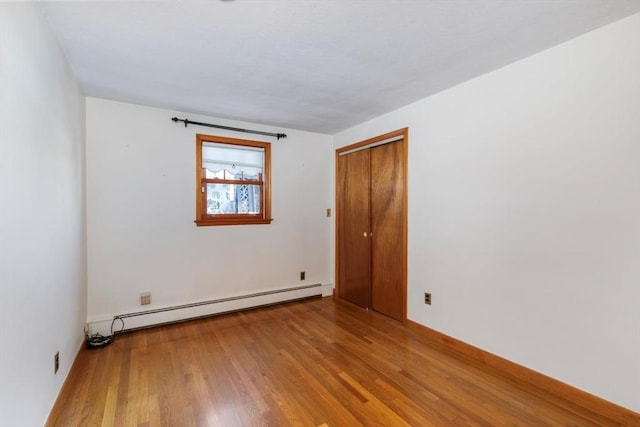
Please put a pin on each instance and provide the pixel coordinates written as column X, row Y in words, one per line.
column 387, row 225
column 354, row 246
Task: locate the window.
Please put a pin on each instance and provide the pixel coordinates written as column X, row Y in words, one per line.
column 233, row 177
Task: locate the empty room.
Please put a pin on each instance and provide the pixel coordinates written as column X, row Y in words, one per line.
column 320, row 213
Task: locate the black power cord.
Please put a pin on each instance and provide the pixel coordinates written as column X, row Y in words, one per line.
column 98, row 340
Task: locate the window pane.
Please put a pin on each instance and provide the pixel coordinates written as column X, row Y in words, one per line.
column 242, row 163
column 226, row 172
column 233, row 199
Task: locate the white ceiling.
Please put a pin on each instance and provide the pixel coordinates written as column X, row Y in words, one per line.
column 320, row 65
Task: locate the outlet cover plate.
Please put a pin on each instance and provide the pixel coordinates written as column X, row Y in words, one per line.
column 145, row 298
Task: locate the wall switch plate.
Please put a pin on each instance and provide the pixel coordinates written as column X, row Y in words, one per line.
column 145, row 298
column 328, row 213
column 56, row 362
column 427, row 298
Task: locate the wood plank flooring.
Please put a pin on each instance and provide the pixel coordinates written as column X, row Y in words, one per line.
column 308, row 363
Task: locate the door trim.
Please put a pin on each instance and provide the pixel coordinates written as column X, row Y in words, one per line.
column 367, row 143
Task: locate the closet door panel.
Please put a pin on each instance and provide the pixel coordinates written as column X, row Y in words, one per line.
column 387, row 225
column 354, row 243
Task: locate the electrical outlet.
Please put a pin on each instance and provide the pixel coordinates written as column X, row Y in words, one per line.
column 427, row 298
column 145, row 298
column 302, row 275
column 56, row 362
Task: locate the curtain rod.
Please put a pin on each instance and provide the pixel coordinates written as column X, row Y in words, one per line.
column 257, row 132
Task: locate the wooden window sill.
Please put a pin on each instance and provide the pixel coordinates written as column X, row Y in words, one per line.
column 230, row 221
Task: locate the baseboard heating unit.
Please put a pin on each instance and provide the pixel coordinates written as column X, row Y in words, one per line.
column 177, row 313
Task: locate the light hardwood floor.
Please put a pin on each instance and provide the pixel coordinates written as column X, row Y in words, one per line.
column 307, row 363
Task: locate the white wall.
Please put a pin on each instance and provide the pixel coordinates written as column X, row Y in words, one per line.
column 524, row 210
column 42, row 222
column 141, row 208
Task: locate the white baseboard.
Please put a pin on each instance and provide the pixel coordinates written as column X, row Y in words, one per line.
column 149, row 318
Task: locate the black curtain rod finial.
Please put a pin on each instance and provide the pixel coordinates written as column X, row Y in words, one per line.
column 175, row 119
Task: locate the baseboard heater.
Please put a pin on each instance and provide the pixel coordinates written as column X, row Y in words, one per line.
column 177, row 313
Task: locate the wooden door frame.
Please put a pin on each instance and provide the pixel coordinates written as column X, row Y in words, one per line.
column 404, row 133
